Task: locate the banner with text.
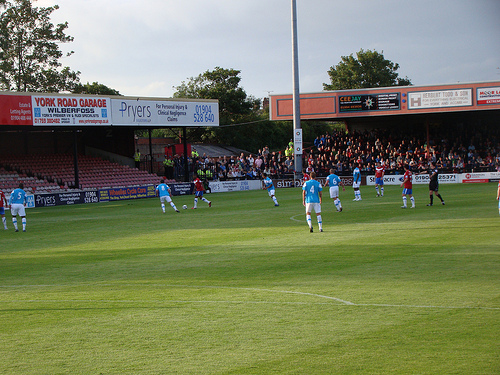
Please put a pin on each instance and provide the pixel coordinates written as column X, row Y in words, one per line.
column 488, row 95
column 136, row 192
column 64, row 111
column 440, row 99
column 15, row 110
column 163, row 112
column 67, row 198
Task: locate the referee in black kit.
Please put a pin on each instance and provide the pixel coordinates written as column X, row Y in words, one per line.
column 434, row 184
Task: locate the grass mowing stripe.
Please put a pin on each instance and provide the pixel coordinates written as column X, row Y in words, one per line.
column 241, row 288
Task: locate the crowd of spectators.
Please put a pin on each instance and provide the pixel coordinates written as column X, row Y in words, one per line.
column 342, row 151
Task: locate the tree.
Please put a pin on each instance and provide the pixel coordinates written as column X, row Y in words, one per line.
column 235, row 107
column 368, row 69
column 29, row 49
column 221, row 84
column 95, row 88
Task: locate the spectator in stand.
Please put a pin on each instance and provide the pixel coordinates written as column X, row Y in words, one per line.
column 259, row 163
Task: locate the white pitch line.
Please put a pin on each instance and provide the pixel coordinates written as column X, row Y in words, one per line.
column 297, row 220
column 343, row 302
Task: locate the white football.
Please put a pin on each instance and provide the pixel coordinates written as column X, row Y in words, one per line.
column 184, row 207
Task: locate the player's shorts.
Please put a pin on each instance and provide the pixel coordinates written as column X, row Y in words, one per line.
column 2, row 211
column 356, row 185
column 433, row 186
column 271, row 192
column 379, row 181
column 334, row 191
column 165, row 198
column 17, row 209
column 313, row 206
column 407, row 191
column 198, row 193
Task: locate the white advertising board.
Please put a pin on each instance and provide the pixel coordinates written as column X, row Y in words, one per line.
column 417, row 179
column 488, row 95
column 238, row 185
column 64, row 111
column 440, row 99
column 162, row 112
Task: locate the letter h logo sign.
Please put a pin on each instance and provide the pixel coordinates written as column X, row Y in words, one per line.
column 415, row 101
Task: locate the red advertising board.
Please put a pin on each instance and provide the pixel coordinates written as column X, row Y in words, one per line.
column 16, row 110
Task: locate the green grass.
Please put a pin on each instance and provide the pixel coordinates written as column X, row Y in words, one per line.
column 244, row 288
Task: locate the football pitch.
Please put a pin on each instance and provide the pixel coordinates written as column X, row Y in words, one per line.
column 244, row 288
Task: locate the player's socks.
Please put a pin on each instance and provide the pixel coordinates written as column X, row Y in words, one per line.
column 358, row 195
column 376, row 189
column 337, row 204
column 205, row 200
column 173, row 206
column 404, row 202
column 412, row 202
column 163, row 207
column 320, row 223
column 439, row 196
column 275, row 201
column 309, row 222
column 195, row 202
column 24, row 224
column 432, row 199
column 4, row 220
column 382, row 191
column 14, row 221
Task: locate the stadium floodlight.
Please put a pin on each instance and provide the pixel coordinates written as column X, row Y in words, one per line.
column 296, row 91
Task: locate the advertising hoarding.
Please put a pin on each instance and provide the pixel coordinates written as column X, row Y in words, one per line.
column 15, row 110
column 63, row 111
column 117, row 194
column 375, row 102
column 162, row 112
column 440, row 99
column 488, row 95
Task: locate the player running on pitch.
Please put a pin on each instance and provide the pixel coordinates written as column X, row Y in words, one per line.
column 164, row 192
column 268, row 184
column 334, row 181
column 199, row 189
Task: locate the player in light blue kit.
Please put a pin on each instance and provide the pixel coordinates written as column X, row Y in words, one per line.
column 312, row 197
column 163, row 191
column 268, row 184
column 356, row 175
column 334, row 181
column 17, row 203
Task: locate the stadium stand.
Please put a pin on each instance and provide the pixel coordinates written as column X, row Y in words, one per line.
column 55, row 172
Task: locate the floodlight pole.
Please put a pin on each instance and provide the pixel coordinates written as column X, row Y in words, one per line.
column 296, row 95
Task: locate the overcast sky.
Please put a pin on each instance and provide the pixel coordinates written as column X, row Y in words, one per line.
column 147, row 47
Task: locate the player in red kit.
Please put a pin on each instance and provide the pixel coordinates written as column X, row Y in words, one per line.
column 408, row 187
column 379, row 179
column 199, row 189
column 3, row 205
